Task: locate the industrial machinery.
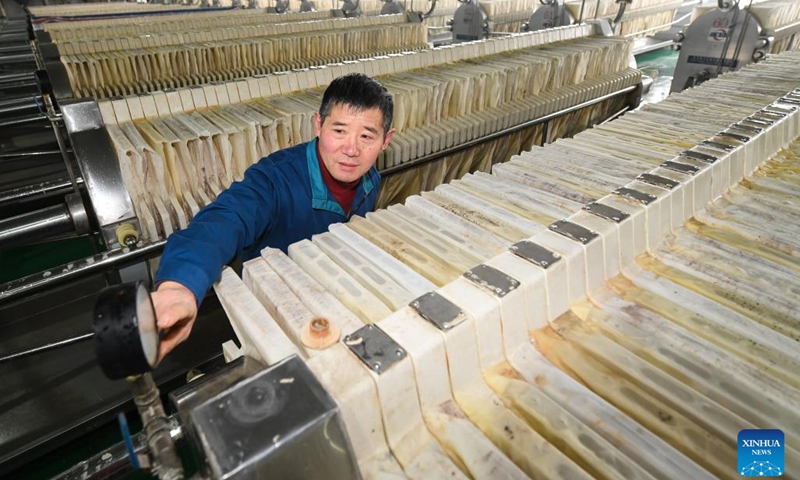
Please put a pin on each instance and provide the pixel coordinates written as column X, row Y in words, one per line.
column 461, row 129
column 392, row 7
column 552, row 13
column 476, row 19
column 589, row 309
column 732, row 35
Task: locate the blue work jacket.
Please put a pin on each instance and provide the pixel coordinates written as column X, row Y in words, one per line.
column 281, row 200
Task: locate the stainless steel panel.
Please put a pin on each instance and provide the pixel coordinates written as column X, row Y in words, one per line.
column 279, row 423
column 99, row 167
column 710, row 46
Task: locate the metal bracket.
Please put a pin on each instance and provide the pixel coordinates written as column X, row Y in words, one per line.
column 747, row 128
column 534, row 253
column 573, row 231
column 771, row 113
column 658, row 181
column 491, row 279
column 734, row 136
column 635, row 195
column 784, row 110
column 759, row 121
column 377, row 350
column 604, row 211
column 680, row 167
column 764, row 118
column 699, row 156
column 99, row 167
column 716, row 146
column 790, row 101
column 438, row 310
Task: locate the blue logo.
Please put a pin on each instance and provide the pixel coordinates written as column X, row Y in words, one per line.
column 761, row 453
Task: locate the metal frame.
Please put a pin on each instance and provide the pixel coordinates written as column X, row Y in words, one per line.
column 530, row 123
column 100, row 169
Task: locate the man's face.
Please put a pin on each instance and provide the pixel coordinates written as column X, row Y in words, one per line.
column 350, row 141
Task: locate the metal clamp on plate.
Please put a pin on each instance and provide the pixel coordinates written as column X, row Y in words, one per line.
column 766, row 111
column 782, row 109
column 680, row 167
column 699, row 156
column 376, row 349
column 573, row 231
column 716, row 146
column 438, row 310
column 734, row 136
column 635, row 195
column 491, row 279
column 747, row 128
column 759, row 120
column 658, row 181
column 604, row 211
column 790, row 101
column 536, row 254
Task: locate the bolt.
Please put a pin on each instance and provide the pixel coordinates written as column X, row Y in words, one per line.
column 399, row 352
column 319, row 327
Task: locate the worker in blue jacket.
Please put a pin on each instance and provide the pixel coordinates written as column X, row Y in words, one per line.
column 286, row 197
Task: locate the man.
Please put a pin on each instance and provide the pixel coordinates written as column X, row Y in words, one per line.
column 288, row 196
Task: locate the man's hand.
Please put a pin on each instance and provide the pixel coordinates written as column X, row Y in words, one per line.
column 176, row 310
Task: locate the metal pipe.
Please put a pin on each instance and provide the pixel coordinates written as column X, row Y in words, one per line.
column 430, row 11
column 37, row 225
column 17, row 85
column 15, row 49
column 115, row 461
column 16, row 77
column 41, row 190
column 14, row 107
column 77, row 269
column 785, row 30
column 14, row 36
column 30, row 154
column 157, row 427
column 660, row 27
column 46, row 347
column 9, row 122
column 545, row 133
column 62, row 146
column 17, row 100
column 21, row 58
column 509, row 130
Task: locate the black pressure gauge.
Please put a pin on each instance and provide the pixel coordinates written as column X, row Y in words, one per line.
column 125, row 330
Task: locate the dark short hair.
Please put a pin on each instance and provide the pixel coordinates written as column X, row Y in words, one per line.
column 359, row 92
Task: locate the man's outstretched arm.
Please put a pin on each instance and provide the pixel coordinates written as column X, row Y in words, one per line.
column 193, row 258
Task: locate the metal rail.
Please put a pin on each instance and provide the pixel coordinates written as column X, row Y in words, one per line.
column 39, row 190
column 79, row 268
column 785, row 30
column 36, row 225
column 46, row 347
column 530, row 123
